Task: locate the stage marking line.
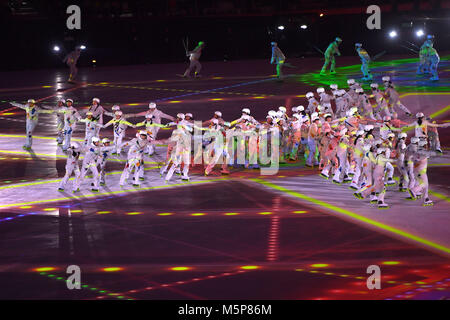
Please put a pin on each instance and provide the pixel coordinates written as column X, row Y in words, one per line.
column 440, row 196
column 438, row 113
column 107, row 193
column 34, row 137
column 424, row 94
column 45, row 98
column 58, row 180
column 355, row 216
column 177, row 90
column 58, row 156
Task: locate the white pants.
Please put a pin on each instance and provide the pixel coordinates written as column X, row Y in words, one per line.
column 312, row 152
column 60, row 128
column 131, row 164
column 91, row 166
column 194, row 64
column 70, row 168
column 31, row 125
column 68, row 131
column 118, row 137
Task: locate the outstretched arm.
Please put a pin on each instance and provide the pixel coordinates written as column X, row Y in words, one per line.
column 108, row 124
column 18, row 105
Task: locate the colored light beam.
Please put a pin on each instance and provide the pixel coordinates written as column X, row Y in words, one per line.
column 357, row 217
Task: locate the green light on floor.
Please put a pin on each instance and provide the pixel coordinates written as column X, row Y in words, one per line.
column 354, row 71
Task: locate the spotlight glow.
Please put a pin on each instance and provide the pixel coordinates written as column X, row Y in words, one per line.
column 393, row 34
column 180, row 268
column 420, row 33
column 43, row 269
column 390, row 263
column 303, row 26
column 82, row 47
column 250, row 267
column 280, row 27
column 112, row 269
column 56, row 48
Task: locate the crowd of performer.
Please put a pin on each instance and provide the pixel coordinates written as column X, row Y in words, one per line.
column 351, row 136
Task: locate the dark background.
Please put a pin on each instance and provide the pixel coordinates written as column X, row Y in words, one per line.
column 120, row 32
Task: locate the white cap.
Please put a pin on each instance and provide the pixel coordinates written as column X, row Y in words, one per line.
column 105, row 140
column 314, row 116
column 95, row 139
column 298, row 116
column 142, row 132
column 300, row 108
column 89, row 113
column 374, row 85
column 218, row 113
column 402, row 135
column 69, row 100
column 422, row 143
column 386, row 78
column 359, row 90
column 350, row 81
column 149, row 116
column 368, row 127
column 391, row 135
column 115, row 107
column 269, row 117
column 215, row 121
column 152, row 105
column 341, row 92
column 96, row 100
column 309, row 95
column 320, row 90
column 272, row 113
column 333, row 86
column 31, row 101
column 378, row 141
column 386, row 118
column 279, row 114
column 282, row 109
column 327, row 115
column 381, row 150
column 352, row 111
column 188, row 115
column 227, row 124
column 180, row 115
column 414, row 140
column 118, row 113
column 246, row 110
column 62, row 100
column 420, row 115
column 294, row 109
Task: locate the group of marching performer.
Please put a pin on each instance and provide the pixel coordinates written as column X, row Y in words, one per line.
column 358, row 141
